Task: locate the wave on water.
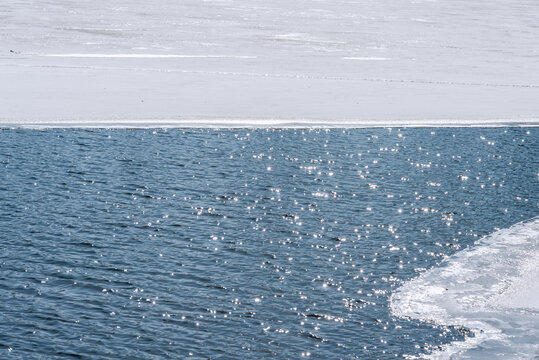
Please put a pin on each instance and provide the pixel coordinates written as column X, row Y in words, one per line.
column 490, row 290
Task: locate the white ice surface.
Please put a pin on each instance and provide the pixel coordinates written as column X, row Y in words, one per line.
column 302, row 62
column 491, row 289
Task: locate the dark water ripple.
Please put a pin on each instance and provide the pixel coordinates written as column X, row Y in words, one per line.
column 249, row 243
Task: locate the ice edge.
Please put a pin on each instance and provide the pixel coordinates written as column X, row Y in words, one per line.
column 238, row 123
column 428, row 310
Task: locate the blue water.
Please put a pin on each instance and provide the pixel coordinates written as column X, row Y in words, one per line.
column 242, row 243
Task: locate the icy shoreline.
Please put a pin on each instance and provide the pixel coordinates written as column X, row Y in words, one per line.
column 264, row 123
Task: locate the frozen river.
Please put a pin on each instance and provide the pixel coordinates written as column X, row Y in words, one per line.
column 269, row 62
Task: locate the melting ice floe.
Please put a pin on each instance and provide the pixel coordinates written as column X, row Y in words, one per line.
column 492, row 289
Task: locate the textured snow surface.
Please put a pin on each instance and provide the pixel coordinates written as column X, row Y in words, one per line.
column 271, row 62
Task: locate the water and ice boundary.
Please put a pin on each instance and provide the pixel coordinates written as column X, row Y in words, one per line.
column 239, row 123
column 490, row 289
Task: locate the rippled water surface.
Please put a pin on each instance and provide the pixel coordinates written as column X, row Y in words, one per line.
column 242, row 244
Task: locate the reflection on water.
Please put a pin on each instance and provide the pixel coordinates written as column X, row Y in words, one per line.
column 248, row 243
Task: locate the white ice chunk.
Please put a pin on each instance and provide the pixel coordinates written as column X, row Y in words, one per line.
column 491, row 289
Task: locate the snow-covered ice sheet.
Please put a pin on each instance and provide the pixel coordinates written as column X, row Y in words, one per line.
column 340, row 62
column 490, row 289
